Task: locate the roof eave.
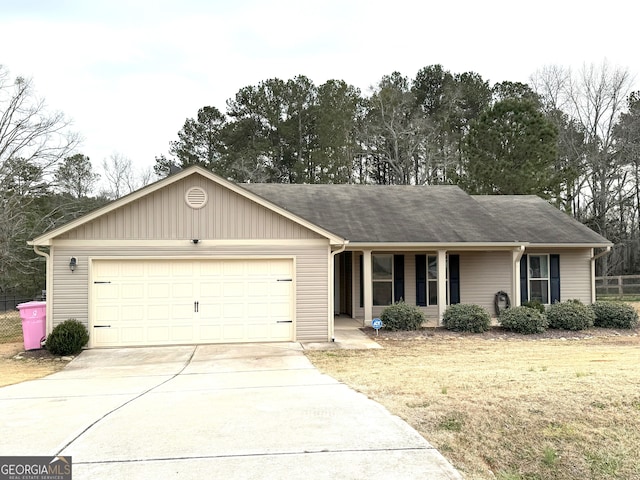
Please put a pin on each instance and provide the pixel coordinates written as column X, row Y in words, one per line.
column 407, row 246
column 571, row 245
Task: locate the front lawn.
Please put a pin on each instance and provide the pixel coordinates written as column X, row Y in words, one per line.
column 512, row 407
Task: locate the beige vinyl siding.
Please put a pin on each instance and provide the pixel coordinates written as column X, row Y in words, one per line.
column 68, row 294
column 482, row 275
column 575, row 272
column 164, row 215
column 70, row 291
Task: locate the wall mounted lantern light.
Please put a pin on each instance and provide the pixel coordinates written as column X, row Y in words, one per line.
column 73, row 263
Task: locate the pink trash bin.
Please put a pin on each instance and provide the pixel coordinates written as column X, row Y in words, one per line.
column 34, row 323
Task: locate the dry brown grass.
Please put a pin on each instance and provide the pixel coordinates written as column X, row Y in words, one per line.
column 33, row 364
column 510, row 409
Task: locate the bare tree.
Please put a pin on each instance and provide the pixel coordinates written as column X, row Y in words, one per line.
column 591, row 102
column 32, row 141
column 122, row 178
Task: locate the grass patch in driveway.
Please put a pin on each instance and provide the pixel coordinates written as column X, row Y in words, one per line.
column 510, row 409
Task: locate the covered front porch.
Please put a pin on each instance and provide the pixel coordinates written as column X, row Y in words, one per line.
column 366, row 280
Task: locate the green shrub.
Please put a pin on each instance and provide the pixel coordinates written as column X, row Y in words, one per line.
column 67, row 338
column 570, row 315
column 402, row 316
column 466, row 318
column 614, row 315
column 523, row 320
column 536, row 305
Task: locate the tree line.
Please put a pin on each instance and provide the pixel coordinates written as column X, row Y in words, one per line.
column 570, row 137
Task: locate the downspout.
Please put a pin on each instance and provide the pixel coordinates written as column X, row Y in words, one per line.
column 516, row 275
column 48, row 277
column 593, row 271
column 332, row 293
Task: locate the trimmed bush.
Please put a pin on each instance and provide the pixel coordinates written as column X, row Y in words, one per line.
column 67, row 338
column 466, row 318
column 570, row 315
column 536, row 305
column 526, row 320
column 402, row 316
column 614, row 315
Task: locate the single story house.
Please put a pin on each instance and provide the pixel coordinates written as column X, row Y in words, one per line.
column 194, row 258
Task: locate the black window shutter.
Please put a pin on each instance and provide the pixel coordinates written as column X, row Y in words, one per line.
column 524, row 288
column 361, row 281
column 398, row 278
column 421, row 280
column 554, row 270
column 454, row 279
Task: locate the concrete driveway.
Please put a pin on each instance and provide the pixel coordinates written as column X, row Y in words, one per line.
column 212, row 411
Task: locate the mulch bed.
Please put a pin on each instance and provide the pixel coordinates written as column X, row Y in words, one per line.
column 40, row 355
column 499, row 333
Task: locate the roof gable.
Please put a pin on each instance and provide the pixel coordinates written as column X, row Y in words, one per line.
column 159, row 212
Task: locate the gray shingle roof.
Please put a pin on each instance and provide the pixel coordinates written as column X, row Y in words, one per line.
column 537, row 221
column 377, row 213
column 425, row 214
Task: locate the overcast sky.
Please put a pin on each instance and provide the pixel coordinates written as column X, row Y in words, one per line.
column 128, row 73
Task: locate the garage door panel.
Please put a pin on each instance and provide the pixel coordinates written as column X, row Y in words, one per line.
column 280, row 311
column 157, row 334
column 233, row 311
column 132, row 313
column 182, row 269
column 257, row 332
column 209, row 310
column 131, row 335
column 154, row 302
column 233, row 289
column 181, row 333
column 106, row 291
column 210, row 290
column 158, row 313
column 159, row 270
column 182, row 290
column 106, row 336
column 210, row 333
column 131, row 270
column 158, row 290
column 233, row 332
column 132, row 291
column 107, row 312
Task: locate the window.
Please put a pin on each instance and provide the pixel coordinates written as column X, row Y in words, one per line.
column 382, row 275
column 539, row 278
column 427, row 279
column 432, row 280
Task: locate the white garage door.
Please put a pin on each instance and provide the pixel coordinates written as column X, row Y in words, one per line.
column 154, row 302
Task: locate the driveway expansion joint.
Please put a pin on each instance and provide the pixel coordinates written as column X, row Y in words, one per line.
column 91, row 425
column 249, row 455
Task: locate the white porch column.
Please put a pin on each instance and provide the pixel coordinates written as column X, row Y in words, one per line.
column 442, row 284
column 367, row 283
column 515, row 294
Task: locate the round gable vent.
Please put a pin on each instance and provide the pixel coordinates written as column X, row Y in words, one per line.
column 196, row 197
